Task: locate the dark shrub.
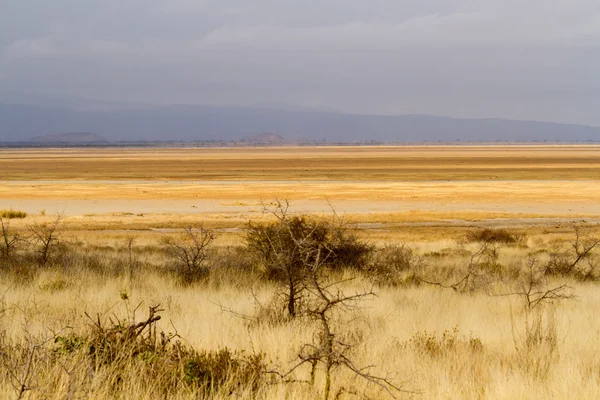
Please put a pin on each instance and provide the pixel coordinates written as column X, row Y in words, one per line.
column 293, row 243
column 291, row 248
column 10, row 214
column 489, row 235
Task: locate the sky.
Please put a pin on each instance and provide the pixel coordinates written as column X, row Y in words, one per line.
column 534, row 59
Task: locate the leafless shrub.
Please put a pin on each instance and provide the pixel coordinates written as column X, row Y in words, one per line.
column 10, row 239
column 120, row 337
column 21, row 371
column 580, row 262
column 478, row 273
column 21, row 361
column 536, row 343
column 45, row 237
column 188, row 253
column 329, row 351
column 535, row 290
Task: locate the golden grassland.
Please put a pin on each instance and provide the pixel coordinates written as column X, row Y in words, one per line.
column 415, row 192
column 433, row 342
column 520, row 180
column 386, row 163
column 409, row 227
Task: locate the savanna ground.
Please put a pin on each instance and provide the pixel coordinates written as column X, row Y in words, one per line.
column 478, row 279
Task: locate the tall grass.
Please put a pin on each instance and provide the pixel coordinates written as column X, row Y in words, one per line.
column 71, row 329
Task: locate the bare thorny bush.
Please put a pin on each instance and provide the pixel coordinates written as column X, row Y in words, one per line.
column 478, row 273
column 536, row 342
column 22, row 362
column 287, row 246
column 10, row 239
column 580, row 261
column 188, row 253
column 45, row 237
column 329, row 351
column 303, row 255
column 24, row 253
column 482, row 270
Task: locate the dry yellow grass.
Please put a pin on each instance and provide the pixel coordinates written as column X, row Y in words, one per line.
column 387, row 163
column 415, row 227
column 428, row 197
column 417, row 193
column 400, row 331
column 491, row 369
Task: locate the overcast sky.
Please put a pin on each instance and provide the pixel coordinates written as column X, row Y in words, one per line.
column 533, row 59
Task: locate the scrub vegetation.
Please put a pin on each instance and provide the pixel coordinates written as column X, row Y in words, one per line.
column 303, row 307
column 417, row 272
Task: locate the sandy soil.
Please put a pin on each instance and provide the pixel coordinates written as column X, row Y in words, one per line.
column 89, row 206
column 388, row 163
column 545, row 181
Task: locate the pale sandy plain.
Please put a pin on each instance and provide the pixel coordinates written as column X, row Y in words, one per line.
column 470, row 182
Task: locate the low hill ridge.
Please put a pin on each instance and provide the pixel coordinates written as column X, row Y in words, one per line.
column 18, row 123
column 264, row 139
column 70, row 137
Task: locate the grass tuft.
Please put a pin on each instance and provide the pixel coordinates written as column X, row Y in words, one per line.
column 13, row 214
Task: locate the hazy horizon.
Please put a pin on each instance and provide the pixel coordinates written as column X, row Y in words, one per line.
column 459, row 58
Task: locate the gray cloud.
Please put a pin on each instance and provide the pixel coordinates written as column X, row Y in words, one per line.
column 507, row 58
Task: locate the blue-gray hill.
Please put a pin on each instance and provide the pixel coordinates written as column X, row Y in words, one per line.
column 19, row 123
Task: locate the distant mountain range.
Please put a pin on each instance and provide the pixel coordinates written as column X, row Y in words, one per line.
column 23, row 122
column 70, row 138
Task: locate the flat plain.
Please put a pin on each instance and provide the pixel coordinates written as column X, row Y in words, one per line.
column 433, row 340
column 343, row 163
column 543, row 180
